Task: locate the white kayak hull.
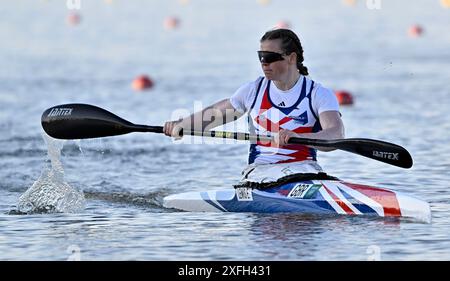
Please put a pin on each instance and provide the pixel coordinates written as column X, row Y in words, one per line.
column 306, row 197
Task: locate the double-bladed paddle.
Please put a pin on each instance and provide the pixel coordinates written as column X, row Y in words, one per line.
column 83, row 121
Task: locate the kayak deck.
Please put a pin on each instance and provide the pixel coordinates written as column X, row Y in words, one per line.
column 308, row 197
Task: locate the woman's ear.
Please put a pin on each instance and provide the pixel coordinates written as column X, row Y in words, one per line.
column 293, row 58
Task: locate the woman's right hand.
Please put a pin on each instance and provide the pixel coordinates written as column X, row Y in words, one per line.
column 173, row 129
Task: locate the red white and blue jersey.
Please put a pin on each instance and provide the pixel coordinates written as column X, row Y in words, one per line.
column 294, row 110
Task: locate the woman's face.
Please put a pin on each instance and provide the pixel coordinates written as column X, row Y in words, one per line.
column 279, row 69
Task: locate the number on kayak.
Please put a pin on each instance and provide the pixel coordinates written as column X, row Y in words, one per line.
column 304, row 191
column 244, row 194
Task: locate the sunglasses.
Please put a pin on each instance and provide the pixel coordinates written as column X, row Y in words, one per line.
column 269, row 57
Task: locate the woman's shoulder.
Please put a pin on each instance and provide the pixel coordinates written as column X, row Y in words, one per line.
column 244, row 97
column 320, row 89
column 254, row 83
column 323, row 98
column 249, row 88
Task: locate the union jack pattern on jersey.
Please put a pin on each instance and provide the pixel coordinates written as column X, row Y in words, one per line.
column 266, row 118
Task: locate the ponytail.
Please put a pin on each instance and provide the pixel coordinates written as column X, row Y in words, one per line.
column 302, row 69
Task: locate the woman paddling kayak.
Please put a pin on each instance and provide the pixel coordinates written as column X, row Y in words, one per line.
column 284, row 103
column 281, row 177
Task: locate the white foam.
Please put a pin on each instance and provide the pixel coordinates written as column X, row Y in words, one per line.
column 50, row 193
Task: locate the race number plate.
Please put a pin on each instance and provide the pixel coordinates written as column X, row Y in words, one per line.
column 244, row 194
column 304, row 191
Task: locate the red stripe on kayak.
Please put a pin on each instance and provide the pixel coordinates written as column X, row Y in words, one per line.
column 386, row 198
column 339, row 201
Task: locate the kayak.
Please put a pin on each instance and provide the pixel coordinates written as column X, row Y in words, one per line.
column 305, row 197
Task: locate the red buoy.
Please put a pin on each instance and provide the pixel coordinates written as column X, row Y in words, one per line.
column 349, row 2
column 171, row 22
column 344, row 97
column 142, row 83
column 73, row 19
column 415, row 31
column 282, row 25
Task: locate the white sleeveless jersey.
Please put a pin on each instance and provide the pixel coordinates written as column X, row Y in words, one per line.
column 267, row 117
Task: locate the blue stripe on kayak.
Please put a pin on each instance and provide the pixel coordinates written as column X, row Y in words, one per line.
column 205, row 197
column 272, row 204
column 363, row 208
column 325, row 205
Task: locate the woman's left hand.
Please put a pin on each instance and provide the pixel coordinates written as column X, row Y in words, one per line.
column 283, row 137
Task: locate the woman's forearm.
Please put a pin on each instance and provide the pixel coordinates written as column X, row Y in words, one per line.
column 217, row 114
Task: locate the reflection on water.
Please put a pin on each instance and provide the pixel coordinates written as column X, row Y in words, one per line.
column 291, row 236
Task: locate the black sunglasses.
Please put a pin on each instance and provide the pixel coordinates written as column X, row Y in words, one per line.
column 269, row 57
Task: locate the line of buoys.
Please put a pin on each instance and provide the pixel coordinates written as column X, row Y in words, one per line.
column 141, row 83
column 344, row 97
column 415, row 31
column 144, row 82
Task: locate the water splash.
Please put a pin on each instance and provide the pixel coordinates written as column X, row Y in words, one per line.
column 50, row 193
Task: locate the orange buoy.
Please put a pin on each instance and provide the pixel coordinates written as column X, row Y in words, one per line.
column 415, row 31
column 141, row 83
column 73, row 19
column 282, row 25
column 344, row 97
column 349, row 2
column 263, row 2
column 445, row 3
column 171, row 22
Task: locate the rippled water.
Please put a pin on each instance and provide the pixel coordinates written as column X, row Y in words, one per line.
column 400, row 86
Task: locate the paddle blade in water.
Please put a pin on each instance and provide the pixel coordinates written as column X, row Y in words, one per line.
column 82, row 121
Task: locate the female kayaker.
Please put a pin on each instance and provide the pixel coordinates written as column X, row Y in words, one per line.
column 284, row 103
